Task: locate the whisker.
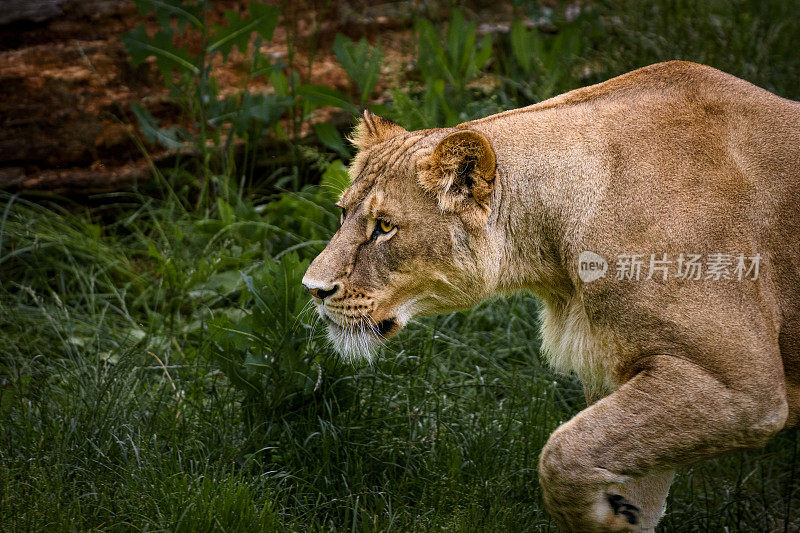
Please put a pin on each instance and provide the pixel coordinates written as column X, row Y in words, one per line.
column 455, row 288
column 373, row 325
column 306, row 308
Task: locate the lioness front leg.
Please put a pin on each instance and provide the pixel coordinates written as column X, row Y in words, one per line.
column 648, row 494
column 672, row 412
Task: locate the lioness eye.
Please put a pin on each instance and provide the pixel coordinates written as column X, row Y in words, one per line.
column 341, row 217
column 384, row 226
column 383, row 230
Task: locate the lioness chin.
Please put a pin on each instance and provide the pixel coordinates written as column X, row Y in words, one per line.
column 656, row 217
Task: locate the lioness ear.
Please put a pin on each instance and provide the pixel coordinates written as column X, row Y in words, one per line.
column 372, row 129
column 461, row 171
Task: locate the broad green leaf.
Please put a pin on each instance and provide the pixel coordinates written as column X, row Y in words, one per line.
column 280, row 83
column 252, row 361
column 263, row 306
column 265, row 108
column 343, row 48
column 330, row 137
column 322, row 96
column 183, row 12
column 140, row 46
column 220, row 283
column 360, row 61
column 262, row 20
column 408, row 113
column 431, row 59
column 152, row 133
column 248, row 110
column 520, row 46
column 483, row 52
column 225, row 212
column 460, row 40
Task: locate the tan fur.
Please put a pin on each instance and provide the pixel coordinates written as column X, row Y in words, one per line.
column 675, row 158
column 373, row 130
column 572, row 344
column 460, row 173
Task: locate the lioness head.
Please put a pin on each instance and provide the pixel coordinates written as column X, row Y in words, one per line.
column 413, row 233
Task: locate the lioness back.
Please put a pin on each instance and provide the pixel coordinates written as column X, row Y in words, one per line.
column 684, row 156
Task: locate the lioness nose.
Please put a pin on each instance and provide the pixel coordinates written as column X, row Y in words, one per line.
column 321, row 292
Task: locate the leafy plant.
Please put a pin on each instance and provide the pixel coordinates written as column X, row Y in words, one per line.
column 212, row 124
column 447, row 67
column 361, row 62
column 539, row 65
column 262, row 21
column 269, row 355
column 140, row 46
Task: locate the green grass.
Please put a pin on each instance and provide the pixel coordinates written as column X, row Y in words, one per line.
column 134, row 393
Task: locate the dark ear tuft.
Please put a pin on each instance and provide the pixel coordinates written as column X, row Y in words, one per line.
column 372, row 129
column 461, row 172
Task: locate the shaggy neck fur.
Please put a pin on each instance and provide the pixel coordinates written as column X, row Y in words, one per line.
column 540, row 204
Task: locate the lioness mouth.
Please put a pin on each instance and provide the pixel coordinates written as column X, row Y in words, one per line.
column 386, row 327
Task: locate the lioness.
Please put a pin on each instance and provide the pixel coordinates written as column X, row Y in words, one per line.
column 672, row 165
